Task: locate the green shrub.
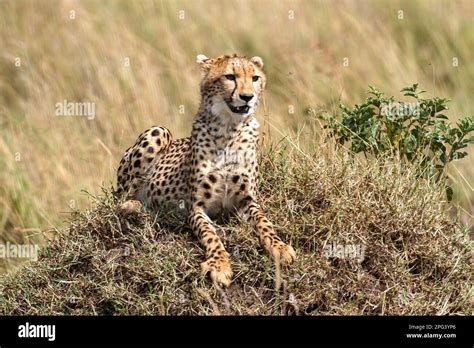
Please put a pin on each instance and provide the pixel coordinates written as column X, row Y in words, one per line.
column 415, row 132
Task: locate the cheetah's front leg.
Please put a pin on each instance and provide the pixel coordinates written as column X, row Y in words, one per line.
column 277, row 249
column 217, row 259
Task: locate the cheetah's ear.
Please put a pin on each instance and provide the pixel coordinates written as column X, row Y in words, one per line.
column 204, row 62
column 257, row 61
column 201, row 58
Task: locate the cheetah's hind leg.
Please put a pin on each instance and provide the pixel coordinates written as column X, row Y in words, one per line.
column 134, row 165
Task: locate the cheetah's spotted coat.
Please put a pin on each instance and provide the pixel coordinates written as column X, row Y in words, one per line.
column 212, row 172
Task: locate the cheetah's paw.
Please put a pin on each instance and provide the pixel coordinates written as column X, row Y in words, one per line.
column 284, row 252
column 219, row 269
column 129, row 207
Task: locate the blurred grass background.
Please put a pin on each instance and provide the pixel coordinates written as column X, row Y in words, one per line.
column 316, row 53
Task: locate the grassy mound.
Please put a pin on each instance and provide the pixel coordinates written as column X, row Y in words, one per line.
column 416, row 260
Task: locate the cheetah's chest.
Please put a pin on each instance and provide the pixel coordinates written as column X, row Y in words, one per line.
column 230, row 173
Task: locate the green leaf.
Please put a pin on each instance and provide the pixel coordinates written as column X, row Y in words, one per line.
column 459, row 155
column 409, row 143
column 449, row 193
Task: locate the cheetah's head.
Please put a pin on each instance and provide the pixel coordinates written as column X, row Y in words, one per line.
column 231, row 85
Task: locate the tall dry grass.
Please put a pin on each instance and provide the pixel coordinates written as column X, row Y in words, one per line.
column 47, row 160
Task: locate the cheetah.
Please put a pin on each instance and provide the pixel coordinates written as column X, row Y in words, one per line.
column 212, row 172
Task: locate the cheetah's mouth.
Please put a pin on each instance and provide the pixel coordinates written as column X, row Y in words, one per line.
column 238, row 109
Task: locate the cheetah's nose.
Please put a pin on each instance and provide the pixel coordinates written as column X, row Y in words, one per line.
column 246, row 97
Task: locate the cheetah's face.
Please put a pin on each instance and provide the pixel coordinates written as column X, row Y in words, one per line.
column 233, row 85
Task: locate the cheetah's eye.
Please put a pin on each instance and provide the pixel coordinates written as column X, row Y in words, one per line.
column 255, row 78
column 230, row 77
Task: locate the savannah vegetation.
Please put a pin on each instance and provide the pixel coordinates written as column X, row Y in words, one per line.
column 321, row 183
